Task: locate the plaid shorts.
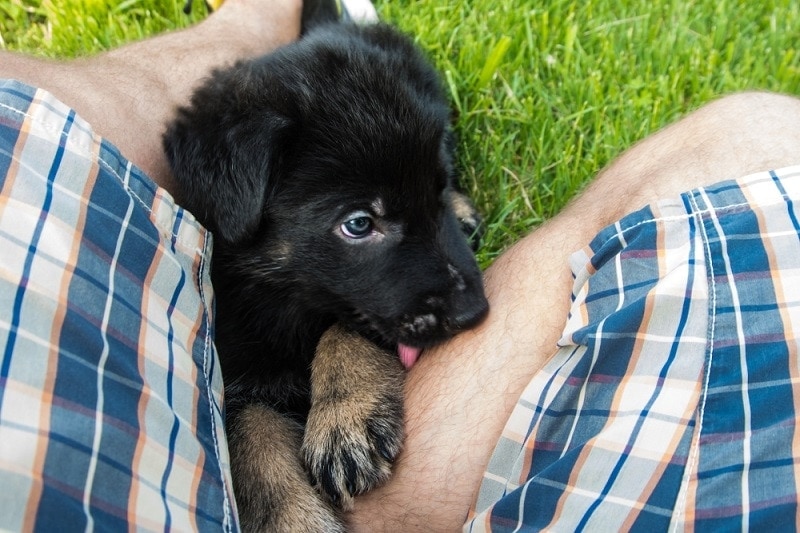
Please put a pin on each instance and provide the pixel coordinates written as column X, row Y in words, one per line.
column 110, row 389
column 673, row 398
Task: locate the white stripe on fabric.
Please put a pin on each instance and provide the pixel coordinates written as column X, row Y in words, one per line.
column 582, row 396
column 522, row 499
column 598, row 342
column 737, row 310
column 99, row 411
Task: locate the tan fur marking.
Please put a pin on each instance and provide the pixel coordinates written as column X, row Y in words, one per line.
column 356, row 418
column 268, row 471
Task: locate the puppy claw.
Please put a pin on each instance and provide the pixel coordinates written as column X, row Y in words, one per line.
column 354, row 430
column 347, row 462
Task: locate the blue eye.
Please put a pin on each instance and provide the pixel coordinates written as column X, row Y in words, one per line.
column 358, row 227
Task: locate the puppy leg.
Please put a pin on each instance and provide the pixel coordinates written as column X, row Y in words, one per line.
column 355, row 427
column 469, row 218
column 272, row 489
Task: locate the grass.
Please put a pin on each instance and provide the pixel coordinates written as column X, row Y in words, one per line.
column 545, row 93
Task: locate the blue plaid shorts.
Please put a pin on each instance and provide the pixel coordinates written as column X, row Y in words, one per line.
column 110, row 389
column 673, row 399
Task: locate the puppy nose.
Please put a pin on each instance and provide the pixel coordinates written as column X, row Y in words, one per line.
column 470, row 313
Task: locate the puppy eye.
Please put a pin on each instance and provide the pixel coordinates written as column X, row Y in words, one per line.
column 358, row 227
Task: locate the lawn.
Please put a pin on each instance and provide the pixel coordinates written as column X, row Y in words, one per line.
column 544, row 93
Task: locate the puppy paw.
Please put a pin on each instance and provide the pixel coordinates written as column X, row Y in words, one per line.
column 348, row 453
column 469, row 218
column 355, row 427
column 271, row 487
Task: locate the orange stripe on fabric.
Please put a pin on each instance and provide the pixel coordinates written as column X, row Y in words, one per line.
column 46, row 396
column 776, row 271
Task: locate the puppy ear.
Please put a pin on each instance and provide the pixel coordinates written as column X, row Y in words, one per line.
column 222, row 162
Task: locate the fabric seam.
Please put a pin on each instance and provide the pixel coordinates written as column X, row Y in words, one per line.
column 698, row 213
column 680, row 508
column 88, row 154
column 207, row 353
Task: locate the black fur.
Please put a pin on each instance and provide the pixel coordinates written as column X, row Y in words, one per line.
column 275, row 156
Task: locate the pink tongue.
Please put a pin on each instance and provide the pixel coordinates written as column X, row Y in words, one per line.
column 408, row 355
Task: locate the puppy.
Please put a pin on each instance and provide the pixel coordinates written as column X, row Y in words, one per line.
column 325, row 173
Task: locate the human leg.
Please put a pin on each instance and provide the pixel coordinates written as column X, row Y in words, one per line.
column 128, row 94
column 459, row 396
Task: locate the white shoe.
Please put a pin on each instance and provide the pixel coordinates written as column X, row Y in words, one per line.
column 358, row 11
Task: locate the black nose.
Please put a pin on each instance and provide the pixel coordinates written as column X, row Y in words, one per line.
column 472, row 309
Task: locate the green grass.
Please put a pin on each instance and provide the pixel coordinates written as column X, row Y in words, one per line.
column 69, row 28
column 545, row 93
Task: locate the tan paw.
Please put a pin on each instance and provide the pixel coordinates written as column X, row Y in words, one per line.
column 355, row 427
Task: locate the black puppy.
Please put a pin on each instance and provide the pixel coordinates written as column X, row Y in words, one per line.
column 325, row 172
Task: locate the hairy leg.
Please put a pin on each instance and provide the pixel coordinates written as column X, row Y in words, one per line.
column 128, row 94
column 459, row 396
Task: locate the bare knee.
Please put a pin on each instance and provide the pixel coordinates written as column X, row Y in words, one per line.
column 728, row 138
column 761, row 117
column 749, row 103
column 750, row 132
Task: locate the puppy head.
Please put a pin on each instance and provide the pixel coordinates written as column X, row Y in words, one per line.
column 326, row 167
column 370, row 234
